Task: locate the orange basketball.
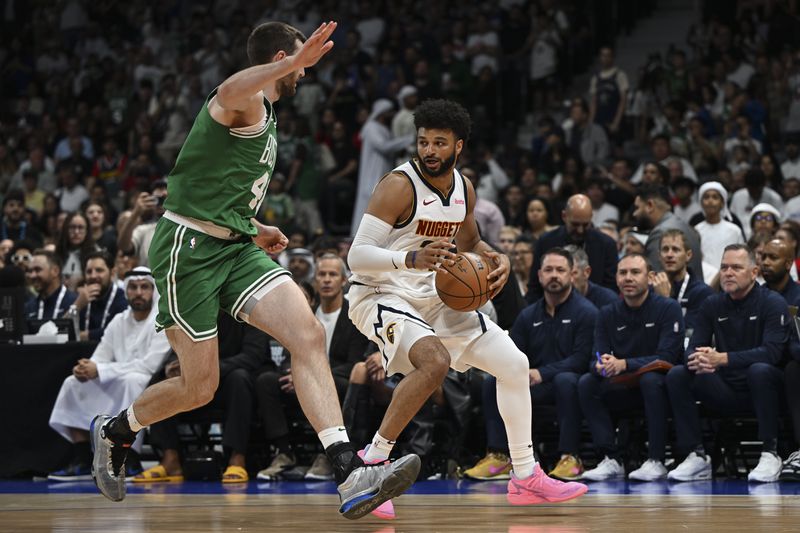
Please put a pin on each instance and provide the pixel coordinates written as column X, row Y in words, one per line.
column 466, row 285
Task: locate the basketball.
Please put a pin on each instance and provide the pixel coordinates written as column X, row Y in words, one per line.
column 466, row 285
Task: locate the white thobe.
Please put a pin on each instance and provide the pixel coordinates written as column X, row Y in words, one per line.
column 128, row 355
column 377, row 158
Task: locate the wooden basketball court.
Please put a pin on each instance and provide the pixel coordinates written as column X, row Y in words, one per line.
column 482, row 508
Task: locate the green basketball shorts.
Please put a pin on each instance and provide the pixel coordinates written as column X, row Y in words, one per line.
column 197, row 275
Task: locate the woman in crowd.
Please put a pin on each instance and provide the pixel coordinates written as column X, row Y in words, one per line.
column 538, row 217
column 102, row 232
column 74, row 244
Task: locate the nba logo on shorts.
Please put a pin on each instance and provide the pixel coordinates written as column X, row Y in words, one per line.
column 192, row 243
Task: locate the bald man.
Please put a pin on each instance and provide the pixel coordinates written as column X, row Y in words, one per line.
column 577, row 230
column 776, row 261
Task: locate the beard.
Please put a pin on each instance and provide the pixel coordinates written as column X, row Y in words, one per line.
column 555, row 287
column 140, row 304
column 643, row 224
column 287, row 85
column 444, row 165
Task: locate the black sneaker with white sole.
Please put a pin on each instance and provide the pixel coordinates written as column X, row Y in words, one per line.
column 791, row 468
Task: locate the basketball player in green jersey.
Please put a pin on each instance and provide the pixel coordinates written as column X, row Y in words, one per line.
column 208, row 253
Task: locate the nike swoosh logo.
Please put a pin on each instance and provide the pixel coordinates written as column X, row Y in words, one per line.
column 650, row 325
column 722, row 318
column 621, row 328
column 393, row 264
column 537, row 324
column 429, row 202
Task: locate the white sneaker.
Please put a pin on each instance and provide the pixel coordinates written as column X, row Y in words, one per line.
column 651, row 470
column 768, row 469
column 693, row 468
column 607, row 469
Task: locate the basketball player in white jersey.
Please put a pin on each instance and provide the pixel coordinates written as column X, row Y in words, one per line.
column 413, row 216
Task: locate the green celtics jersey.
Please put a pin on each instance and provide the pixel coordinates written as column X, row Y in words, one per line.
column 221, row 174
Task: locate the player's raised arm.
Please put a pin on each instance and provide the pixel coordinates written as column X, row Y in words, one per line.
column 243, row 89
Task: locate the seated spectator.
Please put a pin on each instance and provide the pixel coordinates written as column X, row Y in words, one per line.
column 777, row 259
column 488, row 216
column 74, row 245
column 300, row 262
column 507, row 238
column 641, row 328
column 98, row 300
column 136, row 232
column 52, row 297
column 585, row 138
column 242, row 351
column 653, row 213
column 34, row 196
column 602, row 251
column 101, row 231
column 581, row 271
column 556, row 335
column 72, row 193
column 755, row 192
column 662, row 154
column 764, row 219
column 129, row 353
column 686, row 206
column 20, row 255
column 13, row 225
column 731, row 366
column 537, row 215
column 678, row 281
column 345, row 346
column 521, row 256
column 717, row 230
column 601, row 210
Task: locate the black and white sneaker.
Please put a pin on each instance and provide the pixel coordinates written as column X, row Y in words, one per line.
column 108, row 463
column 791, row 468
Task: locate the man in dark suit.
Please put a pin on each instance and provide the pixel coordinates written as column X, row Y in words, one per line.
column 577, row 230
column 345, row 346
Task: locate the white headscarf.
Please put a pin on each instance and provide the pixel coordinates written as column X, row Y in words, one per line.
column 717, row 186
column 141, row 273
column 765, row 208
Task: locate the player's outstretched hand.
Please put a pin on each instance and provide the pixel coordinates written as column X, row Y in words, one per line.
column 315, row 46
column 498, row 276
column 270, row 239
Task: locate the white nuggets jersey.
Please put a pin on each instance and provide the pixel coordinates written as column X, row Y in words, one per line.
column 434, row 216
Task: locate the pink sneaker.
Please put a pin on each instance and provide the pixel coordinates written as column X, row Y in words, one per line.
column 539, row 488
column 386, row 509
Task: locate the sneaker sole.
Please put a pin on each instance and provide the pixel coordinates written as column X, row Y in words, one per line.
column 698, row 477
column 498, row 477
column 648, row 478
column 395, row 484
column 536, row 500
column 86, row 477
column 94, row 438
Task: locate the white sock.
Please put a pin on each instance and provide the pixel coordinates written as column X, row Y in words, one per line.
column 379, row 449
column 333, row 435
column 132, row 422
column 522, row 459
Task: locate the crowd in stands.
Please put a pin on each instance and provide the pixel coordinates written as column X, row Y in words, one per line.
column 669, row 198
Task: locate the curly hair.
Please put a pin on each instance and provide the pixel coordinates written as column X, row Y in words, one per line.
column 443, row 115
